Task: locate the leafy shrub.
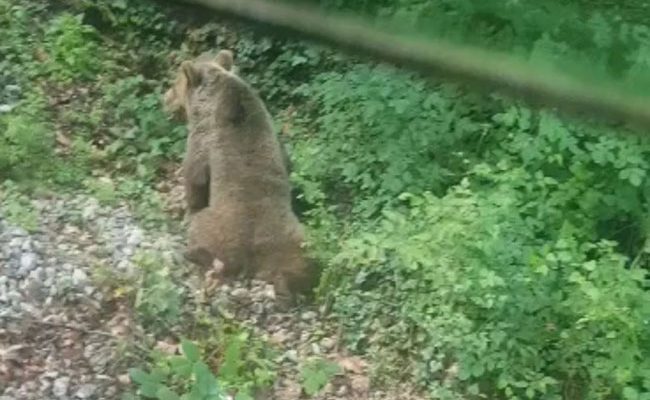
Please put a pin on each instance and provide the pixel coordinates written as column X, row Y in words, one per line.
column 26, row 145
column 143, row 137
column 27, row 149
column 464, row 280
column 409, row 135
column 138, row 24
column 526, row 280
column 245, row 364
column 503, row 286
column 16, row 48
column 159, row 298
column 72, row 47
column 569, row 173
column 241, row 364
column 186, row 373
column 316, row 373
column 17, row 207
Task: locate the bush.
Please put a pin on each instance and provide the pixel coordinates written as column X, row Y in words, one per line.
column 463, row 280
column 482, row 247
column 72, row 48
column 159, row 297
column 26, row 147
column 142, row 136
column 187, row 373
column 26, row 142
column 409, row 135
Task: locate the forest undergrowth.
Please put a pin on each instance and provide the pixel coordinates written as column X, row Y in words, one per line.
column 471, row 245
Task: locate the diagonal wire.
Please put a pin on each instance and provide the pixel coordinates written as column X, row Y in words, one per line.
column 438, row 59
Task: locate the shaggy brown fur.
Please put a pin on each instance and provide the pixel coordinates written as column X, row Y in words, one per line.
column 237, row 186
column 176, row 97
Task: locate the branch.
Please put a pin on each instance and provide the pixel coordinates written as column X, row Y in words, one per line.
column 437, row 59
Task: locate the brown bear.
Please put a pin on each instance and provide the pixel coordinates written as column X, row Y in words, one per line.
column 175, row 98
column 236, row 180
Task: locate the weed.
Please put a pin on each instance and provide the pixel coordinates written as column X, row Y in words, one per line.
column 142, row 136
column 103, row 189
column 316, row 373
column 26, row 144
column 159, row 297
column 240, row 369
column 185, row 374
column 17, row 208
column 73, row 48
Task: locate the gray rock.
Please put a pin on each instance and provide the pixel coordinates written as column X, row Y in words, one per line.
column 52, row 374
column 291, row 355
column 269, row 292
column 79, row 277
column 86, row 391
column 26, row 245
column 60, row 387
column 27, row 262
column 281, row 336
column 110, row 391
column 327, row 344
column 308, row 315
column 15, row 242
column 14, row 297
column 257, row 308
column 38, row 274
column 124, row 266
column 35, row 291
column 46, row 384
column 50, row 271
column 239, row 293
column 30, row 386
column 17, row 232
column 135, row 238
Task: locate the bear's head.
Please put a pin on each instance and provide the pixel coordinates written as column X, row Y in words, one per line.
column 192, row 74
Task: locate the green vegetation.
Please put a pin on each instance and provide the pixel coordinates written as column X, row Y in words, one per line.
column 17, row 207
column 316, row 374
column 240, row 371
column 245, row 363
column 478, row 247
column 179, row 370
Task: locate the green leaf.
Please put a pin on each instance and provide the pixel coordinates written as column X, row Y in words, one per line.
column 181, row 366
column 206, row 383
column 630, row 393
column 139, row 376
column 243, row 396
column 232, row 360
column 164, row 393
column 190, row 351
column 149, row 389
column 316, row 374
column 473, row 389
column 589, row 265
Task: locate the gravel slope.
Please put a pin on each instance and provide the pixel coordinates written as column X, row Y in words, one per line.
column 60, row 337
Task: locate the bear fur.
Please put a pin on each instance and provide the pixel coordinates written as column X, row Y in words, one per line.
column 236, row 179
column 175, row 98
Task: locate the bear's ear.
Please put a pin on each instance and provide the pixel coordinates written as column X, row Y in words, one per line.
column 225, row 59
column 192, row 75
